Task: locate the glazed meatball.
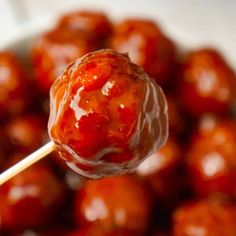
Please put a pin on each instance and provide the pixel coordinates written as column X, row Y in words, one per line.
column 25, row 132
column 13, row 85
column 114, row 203
column 147, row 46
column 206, row 83
column 30, row 198
column 211, row 157
column 106, row 115
column 95, row 24
column 54, row 50
column 205, row 218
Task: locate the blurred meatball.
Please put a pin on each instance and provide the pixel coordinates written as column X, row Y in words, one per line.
column 13, row 85
column 25, row 132
column 205, row 218
column 114, row 203
column 93, row 23
column 147, row 46
column 30, row 198
column 206, row 83
column 54, row 50
column 211, row 157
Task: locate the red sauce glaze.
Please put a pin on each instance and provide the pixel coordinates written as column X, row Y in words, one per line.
column 30, row 198
column 95, row 24
column 205, row 218
column 54, row 50
column 207, row 83
column 106, row 115
column 147, row 46
column 25, row 132
column 211, row 157
column 13, row 85
column 161, row 170
column 120, row 203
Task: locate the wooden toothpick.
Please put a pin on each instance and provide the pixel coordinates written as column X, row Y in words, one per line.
column 26, row 162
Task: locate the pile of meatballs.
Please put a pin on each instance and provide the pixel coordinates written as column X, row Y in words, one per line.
column 186, row 188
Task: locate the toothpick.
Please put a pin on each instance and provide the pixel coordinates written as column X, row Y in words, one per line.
column 26, row 162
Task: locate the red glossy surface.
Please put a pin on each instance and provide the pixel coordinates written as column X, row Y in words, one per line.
column 106, row 115
column 13, row 85
column 147, row 46
column 94, row 23
column 54, row 50
column 107, row 112
column 205, row 218
column 114, row 203
column 25, row 132
column 211, row 158
column 30, row 198
column 207, row 83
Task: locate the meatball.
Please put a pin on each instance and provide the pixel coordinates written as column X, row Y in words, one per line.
column 211, row 157
column 30, row 198
column 106, row 115
column 147, row 46
column 25, row 132
column 13, row 85
column 54, row 50
column 119, row 202
column 205, row 218
column 95, row 24
column 206, row 83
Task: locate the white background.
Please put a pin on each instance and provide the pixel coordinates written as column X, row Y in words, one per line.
column 192, row 22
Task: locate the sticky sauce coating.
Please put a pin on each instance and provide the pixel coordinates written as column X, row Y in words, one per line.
column 106, row 115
